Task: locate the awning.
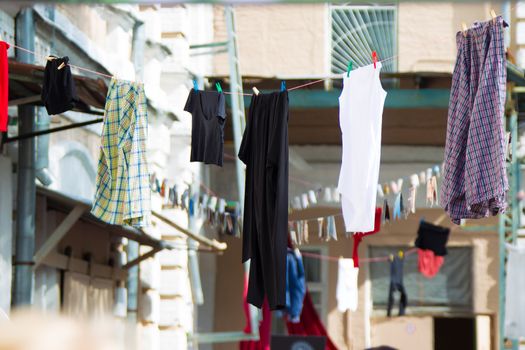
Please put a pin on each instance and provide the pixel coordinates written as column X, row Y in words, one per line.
column 79, row 209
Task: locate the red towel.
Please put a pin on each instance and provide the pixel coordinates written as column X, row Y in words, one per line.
column 4, row 86
column 265, row 325
column 358, row 237
column 429, row 263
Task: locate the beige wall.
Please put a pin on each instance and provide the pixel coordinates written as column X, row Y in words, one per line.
column 427, row 32
column 276, row 40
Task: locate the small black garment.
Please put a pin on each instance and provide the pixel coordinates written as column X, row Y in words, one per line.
column 59, row 93
column 264, row 150
column 208, row 112
column 432, row 237
column 396, row 284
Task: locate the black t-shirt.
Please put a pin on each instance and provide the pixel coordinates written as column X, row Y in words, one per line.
column 207, row 132
column 58, row 91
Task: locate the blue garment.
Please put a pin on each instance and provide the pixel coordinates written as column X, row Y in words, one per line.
column 295, row 285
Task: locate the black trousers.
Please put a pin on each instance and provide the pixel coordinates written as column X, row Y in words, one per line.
column 402, row 302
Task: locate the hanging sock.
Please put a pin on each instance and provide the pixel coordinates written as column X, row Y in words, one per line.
column 312, row 198
column 305, row 231
column 331, row 228
column 296, row 203
column 327, row 197
column 304, row 200
column 336, row 196
column 397, row 207
column 320, row 229
column 432, row 198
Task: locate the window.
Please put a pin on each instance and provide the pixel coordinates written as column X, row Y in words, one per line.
column 316, row 274
column 450, row 289
column 356, row 31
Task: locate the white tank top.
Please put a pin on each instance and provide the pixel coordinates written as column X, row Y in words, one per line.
column 360, row 115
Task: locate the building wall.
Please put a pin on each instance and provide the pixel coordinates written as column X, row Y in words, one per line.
column 365, row 327
column 293, row 40
column 276, row 40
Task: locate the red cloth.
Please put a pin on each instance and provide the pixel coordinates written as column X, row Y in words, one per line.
column 4, row 86
column 358, row 236
column 310, row 323
column 428, row 262
column 265, row 325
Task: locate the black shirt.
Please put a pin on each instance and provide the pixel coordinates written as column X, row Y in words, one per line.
column 58, row 92
column 207, row 133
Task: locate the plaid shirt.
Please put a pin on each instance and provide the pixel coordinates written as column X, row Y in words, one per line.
column 474, row 176
column 123, row 191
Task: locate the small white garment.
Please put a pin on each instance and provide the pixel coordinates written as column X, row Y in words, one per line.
column 514, row 300
column 360, row 117
column 346, row 292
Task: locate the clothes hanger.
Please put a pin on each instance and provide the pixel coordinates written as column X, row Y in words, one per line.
column 374, row 59
column 350, row 64
column 218, row 86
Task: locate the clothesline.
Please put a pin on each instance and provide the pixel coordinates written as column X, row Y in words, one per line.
column 336, row 259
column 225, row 92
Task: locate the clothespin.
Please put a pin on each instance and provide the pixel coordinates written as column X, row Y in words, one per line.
column 62, row 65
column 464, row 29
column 255, row 91
column 283, row 85
column 374, row 58
column 51, row 58
column 493, row 15
column 218, row 86
column 391, row 257
column 350, row 64
column 400, row 254
column 195, row 85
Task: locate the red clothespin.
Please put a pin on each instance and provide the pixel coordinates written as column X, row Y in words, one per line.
column 374, row 58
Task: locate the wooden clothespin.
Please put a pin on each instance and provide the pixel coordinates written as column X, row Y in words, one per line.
column 255, row 91
column 374, row 58
column 493, row 15
column 464, row 29
column 62, row 65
